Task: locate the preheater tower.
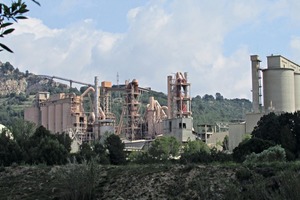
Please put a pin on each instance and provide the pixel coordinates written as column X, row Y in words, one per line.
column 180, row 122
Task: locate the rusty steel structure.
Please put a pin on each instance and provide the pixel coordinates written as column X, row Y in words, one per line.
column 132, row 129
column 179, row 99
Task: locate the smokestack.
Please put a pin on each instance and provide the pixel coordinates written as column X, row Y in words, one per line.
column 256, row 80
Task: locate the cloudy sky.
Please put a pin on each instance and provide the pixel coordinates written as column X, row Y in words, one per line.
column 212, row 40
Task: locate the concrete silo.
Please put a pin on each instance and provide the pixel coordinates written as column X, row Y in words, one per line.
column 297, row 91
column 51, row 117
column 279, row 89
column 58, row 118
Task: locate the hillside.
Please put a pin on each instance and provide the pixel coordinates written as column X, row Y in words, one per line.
column 17, row 90
column 159, row 181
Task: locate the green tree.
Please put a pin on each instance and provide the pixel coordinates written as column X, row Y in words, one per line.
column 9, row 13
column 281, row 129
column 22, row 130
column 10, row 151
column 225, row 143
column 115, row 149
column 50, row 152
column 101, row 153
column 268, row 128
column 195, row 151
column 65, row 140
column 86, row 152
column 164, row 148
column 272, row 154
column 195, row 146
column 43, row 147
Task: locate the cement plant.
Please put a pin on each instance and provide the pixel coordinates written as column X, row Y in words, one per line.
column 280, row 92
column 65, row 113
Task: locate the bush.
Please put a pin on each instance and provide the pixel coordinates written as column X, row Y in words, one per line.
column 77, row 181
column 243, row 174
column 198, row 157
column 139, row 157
column 220, row 156
column 245, row 148
column 272, row 154
column 164, row 148
column 10, row 151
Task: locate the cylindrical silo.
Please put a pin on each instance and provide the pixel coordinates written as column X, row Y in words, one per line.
column 58, row 118
column 51, row 118
column 44, row 116
column 297, row 91
column 279, row 89
column 66, row 116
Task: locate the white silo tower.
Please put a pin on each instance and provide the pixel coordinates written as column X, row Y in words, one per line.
column 279, row 88
column 297, row 91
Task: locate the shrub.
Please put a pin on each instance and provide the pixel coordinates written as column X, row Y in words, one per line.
column 272, row 154
column 243, row 174
column 164, row 148
column 77, row 181
column 220, row 156
column 245, row 148
column 139, row 157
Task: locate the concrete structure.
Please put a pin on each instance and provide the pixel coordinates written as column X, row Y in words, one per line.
column 256, row 84
column 281, row 83
column 58, row 113
column 180, row 122
column 65, row 113
column 213, row 134
column 180, row 128
column 279, row 89
column 281, row 93
column 236, row 134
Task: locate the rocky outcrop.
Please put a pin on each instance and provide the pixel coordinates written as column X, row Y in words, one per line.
column 8, row 86
column 14, row 81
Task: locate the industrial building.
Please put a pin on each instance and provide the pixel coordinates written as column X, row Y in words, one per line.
column 66, row 113
column 274, row 89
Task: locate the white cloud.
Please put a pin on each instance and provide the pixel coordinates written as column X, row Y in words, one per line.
column 163, row 37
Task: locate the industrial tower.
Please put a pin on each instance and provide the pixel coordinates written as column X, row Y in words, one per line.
column 180, row 122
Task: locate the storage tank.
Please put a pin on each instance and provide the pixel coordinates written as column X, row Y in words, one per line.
column 297, row 91
column 279, row 88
